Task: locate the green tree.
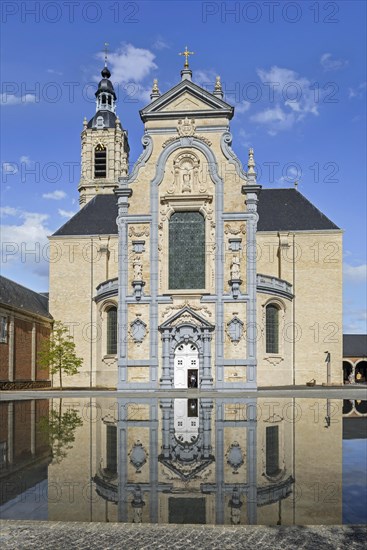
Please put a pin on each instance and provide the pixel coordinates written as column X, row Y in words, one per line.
column 60, row 428
column 58, row 353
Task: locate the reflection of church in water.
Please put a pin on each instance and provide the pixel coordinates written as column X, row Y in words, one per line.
column 210, row 461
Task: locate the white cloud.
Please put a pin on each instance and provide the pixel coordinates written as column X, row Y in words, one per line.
column 355, row 273
column 8, row 211
column 26, row 160
column 55, row 195
column 355, row 321
column 24, row 242
column 66, row 213
column 9, row 168
column 244, row 138
column 129, row 63
column 292, row 96
column 11, row 99
column 293, row 175
column 205, row 78
column 275, row 119
column 160, row 44
column 142, row 94
column 330, row 64
column 357, row 92
column 243, row 107
column 52, row 71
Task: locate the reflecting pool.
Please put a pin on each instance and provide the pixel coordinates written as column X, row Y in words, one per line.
column 200, row 461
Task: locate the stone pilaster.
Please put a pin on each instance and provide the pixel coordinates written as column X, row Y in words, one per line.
column 251, row 192
column 166, row 406
column 207, row 406
column 123, row 193
column 207, row 379
column 166, row 380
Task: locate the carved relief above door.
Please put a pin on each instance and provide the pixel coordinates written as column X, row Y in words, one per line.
column 186, row 176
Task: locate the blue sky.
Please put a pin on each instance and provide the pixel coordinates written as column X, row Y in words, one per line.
column 295, row 72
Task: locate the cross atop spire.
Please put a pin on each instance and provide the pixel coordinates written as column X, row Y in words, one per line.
column 186, row 53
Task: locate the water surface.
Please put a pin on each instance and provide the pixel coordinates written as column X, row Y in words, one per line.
column 200, row 461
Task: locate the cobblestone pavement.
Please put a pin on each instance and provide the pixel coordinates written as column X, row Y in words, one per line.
column 59, row 535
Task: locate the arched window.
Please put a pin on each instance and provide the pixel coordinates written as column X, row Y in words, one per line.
column 100, row 122
column 272, row 329
column 100, row 161
column 112, row 331
column 111, row 449
column 272, row 450
column 186, row 250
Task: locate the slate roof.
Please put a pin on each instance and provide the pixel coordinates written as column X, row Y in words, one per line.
column 97, row 217
column 354, row 345
column 109, row 119
column 289, row 210
column 279, row 210
column 14, row 295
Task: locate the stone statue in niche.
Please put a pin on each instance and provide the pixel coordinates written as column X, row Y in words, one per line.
column 235, row 267
column 186, row 174
column 186, row 181
column 138, row 282
column 138, row 269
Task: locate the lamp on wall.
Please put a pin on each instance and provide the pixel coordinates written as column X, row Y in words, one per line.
column 327, row 361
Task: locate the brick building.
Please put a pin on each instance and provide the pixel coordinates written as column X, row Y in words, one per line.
column 24, row 323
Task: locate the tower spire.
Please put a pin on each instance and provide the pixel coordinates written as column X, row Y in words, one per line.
column 105, row 94
column 251, row 174
column 106, row 44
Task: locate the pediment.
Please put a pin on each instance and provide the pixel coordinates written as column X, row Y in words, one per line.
column 186, row 102
column 186, row 98
column 186, row 315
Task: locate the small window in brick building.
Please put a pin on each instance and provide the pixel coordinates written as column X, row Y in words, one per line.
column 3, row 329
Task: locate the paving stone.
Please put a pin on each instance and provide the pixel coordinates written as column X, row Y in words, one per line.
column 85, row 536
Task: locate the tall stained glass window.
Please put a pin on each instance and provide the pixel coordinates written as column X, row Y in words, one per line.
column 112, row 331
column 272, row 450
column 186, row 250
column 272, row 329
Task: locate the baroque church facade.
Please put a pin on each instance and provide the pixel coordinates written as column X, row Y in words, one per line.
column 182, row 271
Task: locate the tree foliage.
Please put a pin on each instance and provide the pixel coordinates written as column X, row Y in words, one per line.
column 59, row 428
column 58, row 354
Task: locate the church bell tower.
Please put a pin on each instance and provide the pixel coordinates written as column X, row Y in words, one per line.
column 104, row 147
